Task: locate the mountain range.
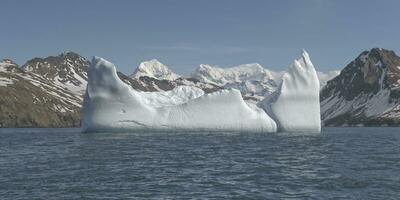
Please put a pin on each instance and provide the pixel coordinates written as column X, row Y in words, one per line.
column 48, row 92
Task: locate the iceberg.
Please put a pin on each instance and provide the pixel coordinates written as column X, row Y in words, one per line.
column 111, row 105
column 295, row 105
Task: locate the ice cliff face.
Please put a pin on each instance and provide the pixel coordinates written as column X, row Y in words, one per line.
column 110, row 104
column 295, row 105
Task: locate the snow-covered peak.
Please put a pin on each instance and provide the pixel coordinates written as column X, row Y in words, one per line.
column 221, row 76
column 7, row 62
column 155, row 69
column 324, row 77
column 67, row 70
column 8, row 65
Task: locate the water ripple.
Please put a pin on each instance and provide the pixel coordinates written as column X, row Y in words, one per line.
column 341, row 163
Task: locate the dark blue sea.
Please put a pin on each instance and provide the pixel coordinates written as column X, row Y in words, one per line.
column 340, row 163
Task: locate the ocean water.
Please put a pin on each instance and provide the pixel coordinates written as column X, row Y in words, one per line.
column 341, row 163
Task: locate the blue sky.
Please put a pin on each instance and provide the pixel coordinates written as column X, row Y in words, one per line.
column 185, row 33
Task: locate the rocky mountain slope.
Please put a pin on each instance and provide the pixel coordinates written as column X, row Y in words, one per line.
column 28, row 99
column 367, row 91
column 68, row 70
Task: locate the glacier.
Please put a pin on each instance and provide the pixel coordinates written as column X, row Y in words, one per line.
column 295, row 105
column 110, row 105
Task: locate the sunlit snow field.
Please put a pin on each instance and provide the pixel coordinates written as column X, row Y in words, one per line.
column 348, row 163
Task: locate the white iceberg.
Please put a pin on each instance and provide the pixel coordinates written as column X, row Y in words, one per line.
column 295, row 105
column 111, row 105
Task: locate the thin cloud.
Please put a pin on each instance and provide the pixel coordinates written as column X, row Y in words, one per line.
column 198, row 49
column 174, row 47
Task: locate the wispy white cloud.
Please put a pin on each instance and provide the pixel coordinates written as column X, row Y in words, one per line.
column 172, row 47
column 197, row 48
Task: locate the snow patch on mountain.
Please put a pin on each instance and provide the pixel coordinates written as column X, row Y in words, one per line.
column 364, row 105
column 6, row 81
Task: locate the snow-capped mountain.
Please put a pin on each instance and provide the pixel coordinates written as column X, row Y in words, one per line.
column 154, row 69
column 252, row 80
column 48, row 92
column 241, row 73
column 325, row 77
column 154, row 76
column 150, row 84
column 7, row 65
column 29, row 99
column 367, row 91
column 67, row 70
